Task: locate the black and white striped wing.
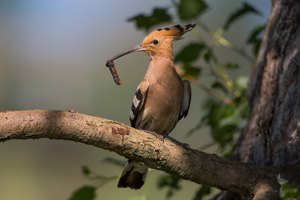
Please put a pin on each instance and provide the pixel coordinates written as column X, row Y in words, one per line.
column 138, row 102
column 186, row 99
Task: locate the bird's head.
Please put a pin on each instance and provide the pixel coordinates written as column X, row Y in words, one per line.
column 159, row 42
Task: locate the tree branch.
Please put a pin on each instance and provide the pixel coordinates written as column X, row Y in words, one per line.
column 168, row 155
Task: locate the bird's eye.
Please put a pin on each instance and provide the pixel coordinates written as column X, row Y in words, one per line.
column 155, row 42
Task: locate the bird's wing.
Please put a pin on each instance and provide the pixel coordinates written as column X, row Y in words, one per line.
column 186, row 99
column 138, row 102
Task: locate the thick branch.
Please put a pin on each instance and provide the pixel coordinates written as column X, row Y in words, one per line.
column 167, row 155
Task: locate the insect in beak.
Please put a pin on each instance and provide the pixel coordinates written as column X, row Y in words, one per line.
column 111, row 65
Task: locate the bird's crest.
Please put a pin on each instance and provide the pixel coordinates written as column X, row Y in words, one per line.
column 175, row 31
column 159, row 42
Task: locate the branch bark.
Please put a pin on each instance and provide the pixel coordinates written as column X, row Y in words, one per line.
column 271, row 136
column 166, row 154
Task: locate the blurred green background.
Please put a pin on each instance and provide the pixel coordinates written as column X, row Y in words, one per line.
column 52, row 56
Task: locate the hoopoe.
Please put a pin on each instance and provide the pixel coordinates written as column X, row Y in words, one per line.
column 161, row 99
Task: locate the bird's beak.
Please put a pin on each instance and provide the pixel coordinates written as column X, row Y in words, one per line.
column 110, row 62
column 134, row 49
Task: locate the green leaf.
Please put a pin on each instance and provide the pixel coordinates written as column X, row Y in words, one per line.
column 85, row 170
column 224, row 134
column 191, row 70
column 255, row 37
column 84, row 193
column 255, row 33
column 289, row 191
column 235, row 118
column 189, row 9
column 190, row 52
column 216, row 113
column 220, row 86
column 202, row 192
column 242, row 82
column 231, row 65
column 159, row 15
column 256, row 47
column 209, row 55
column 245, row 9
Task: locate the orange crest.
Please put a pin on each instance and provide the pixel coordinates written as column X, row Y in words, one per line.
column 175, row 31
column 159, row 42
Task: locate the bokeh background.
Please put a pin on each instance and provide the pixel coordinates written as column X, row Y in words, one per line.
column 52, row 56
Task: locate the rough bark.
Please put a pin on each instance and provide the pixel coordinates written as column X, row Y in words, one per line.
column 272, row 136
column 148, row 148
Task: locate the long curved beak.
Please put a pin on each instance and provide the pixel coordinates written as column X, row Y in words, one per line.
column 110, row 62
column 134, row 49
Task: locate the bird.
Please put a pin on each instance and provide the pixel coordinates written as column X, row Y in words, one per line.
column 161, row 99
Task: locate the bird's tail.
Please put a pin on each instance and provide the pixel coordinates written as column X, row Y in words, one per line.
column 133, row 176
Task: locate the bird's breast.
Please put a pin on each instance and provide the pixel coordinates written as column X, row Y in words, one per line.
column 163, row 104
